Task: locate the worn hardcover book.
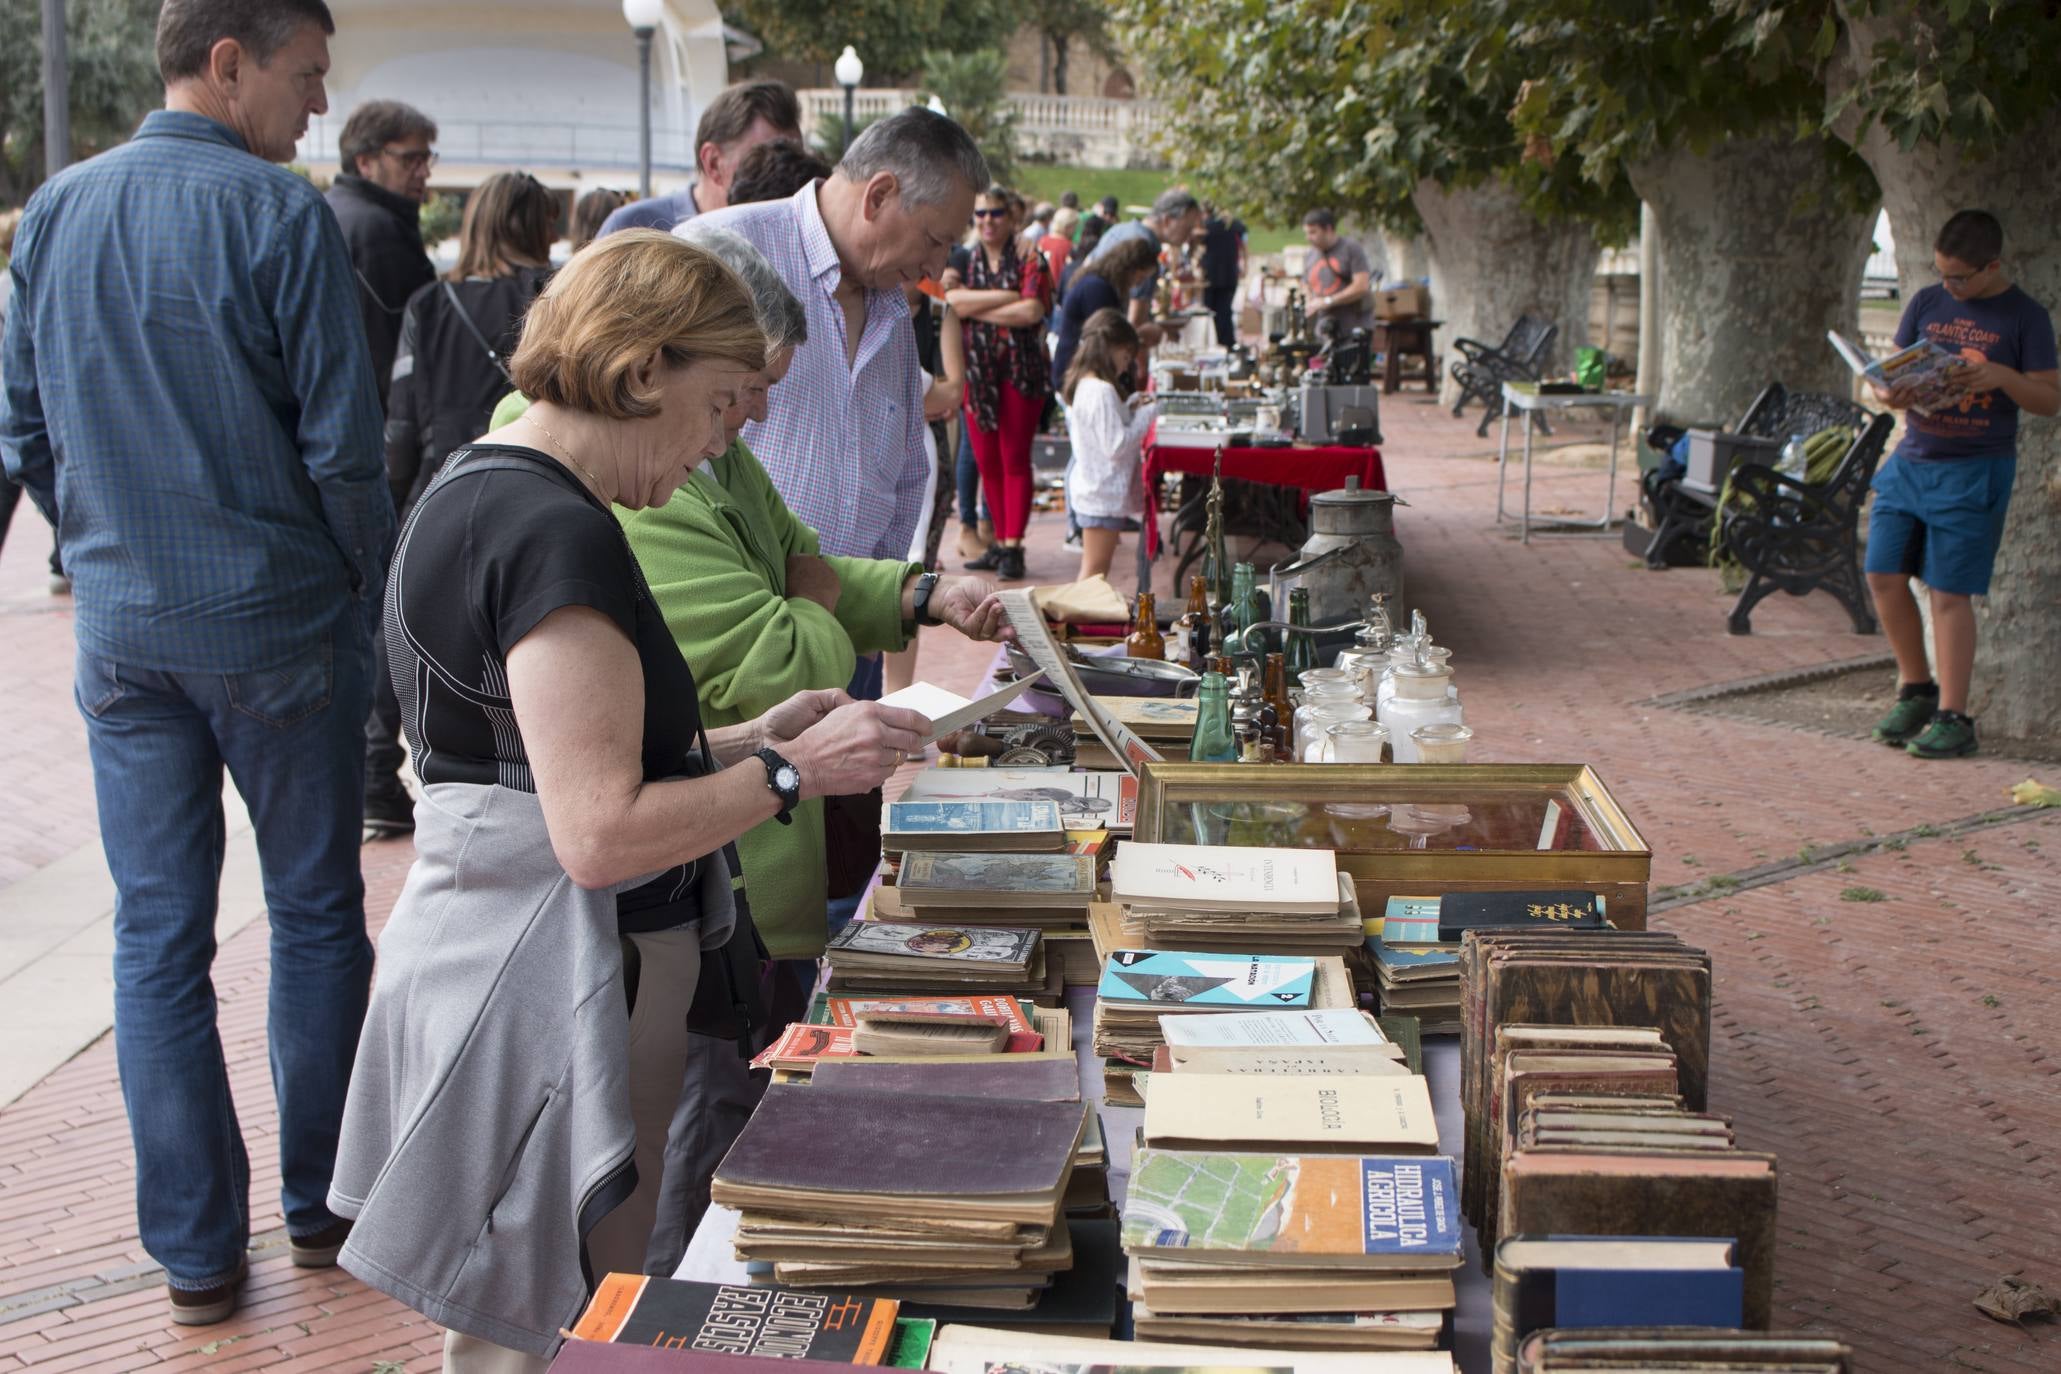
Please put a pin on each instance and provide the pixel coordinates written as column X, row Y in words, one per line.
column 921, row 1034
column 1153, row 718
column 1682, row 1348
column 739, row 1319
column 801, row 1045
column 1041, row 880
column 1170, row 981
column 1081, row 1300
column 611, row 1357
column 973, row 825
column 1349, row 1210
column 1023, row 1035
column 1031, row 1078
column 1409, row 921
column 1593, row 1281
column 1327, row 1113
column 1558, row 1191
column 888, row 1154
column 1459, row 912
column 901, row 941
column 1202, row 877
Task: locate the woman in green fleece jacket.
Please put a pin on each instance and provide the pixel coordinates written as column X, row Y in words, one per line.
column 760, row 613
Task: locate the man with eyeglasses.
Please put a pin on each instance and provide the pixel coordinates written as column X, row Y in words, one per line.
column 1940, row 500
column 385, row 157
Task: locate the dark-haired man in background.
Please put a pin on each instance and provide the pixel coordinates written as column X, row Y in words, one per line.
column 385, row 157
column 1940, row 500
column 189, row 394
column 737, row 121
column 385, row 154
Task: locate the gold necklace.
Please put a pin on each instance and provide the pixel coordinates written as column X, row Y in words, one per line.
column 564, row 447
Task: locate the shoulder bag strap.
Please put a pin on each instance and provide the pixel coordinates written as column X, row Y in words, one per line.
column 493, row 355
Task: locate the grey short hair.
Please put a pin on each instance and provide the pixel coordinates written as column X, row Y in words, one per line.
column 781, row 316
column 930, row 155
column 1174, row 204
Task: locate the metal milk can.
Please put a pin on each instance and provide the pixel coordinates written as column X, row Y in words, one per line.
column 1351, row 553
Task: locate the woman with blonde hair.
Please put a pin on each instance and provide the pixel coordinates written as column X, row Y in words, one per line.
column 450, row 367
column 508, row 1109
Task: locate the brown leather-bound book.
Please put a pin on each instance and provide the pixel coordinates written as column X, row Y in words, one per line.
column 887, row 1153
column 1016, row 1076
column 1551, row 1191
column 1671, row 995
column 1686, row 1347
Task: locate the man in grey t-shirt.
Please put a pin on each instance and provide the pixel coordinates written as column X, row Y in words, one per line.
column 1339, row 278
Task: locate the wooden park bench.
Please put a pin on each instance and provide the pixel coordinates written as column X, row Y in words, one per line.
column 1483, row 368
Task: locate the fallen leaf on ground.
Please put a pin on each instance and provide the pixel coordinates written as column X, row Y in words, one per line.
column 2013, row 1300
column 2030, row 793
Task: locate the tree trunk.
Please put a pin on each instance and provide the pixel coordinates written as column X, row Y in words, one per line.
column 2017, row 688
column 1754, row 278
column 1060, row 44
column 1044, row 62
column 1493, row 260
column 1407, row 258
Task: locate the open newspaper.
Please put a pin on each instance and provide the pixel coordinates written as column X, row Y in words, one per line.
column 1927, row 371
column 1034, row 639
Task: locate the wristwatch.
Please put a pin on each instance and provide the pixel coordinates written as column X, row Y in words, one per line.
column 785, row 781
column 925, row 585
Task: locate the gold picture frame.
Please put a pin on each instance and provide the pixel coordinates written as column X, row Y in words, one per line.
column 1417, row 829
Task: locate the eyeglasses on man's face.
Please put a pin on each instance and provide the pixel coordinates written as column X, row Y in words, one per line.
column 414, row 159
column 989, row 214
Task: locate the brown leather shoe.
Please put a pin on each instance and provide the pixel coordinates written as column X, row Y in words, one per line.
column 318, row 1251
column 206, row 1306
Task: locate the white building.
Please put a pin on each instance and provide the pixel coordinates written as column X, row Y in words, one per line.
column 544, row 86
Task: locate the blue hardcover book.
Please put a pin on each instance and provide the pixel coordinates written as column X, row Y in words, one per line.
column 1389, row 957
column 970, row 818
column 1584, row 1281
column 1157, row 978
column 1648, row 1297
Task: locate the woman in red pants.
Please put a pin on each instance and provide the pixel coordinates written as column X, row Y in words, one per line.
column 1008, row 377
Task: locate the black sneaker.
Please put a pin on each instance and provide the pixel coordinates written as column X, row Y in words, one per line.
column 987, row 562
column 389, row 811
column 1949, row 735
column 1010, row 568
column 1915, row 703
column 206, row 1306
column 319, row 1251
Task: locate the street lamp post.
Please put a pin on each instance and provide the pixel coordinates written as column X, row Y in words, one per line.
column 850, row 71
column 643, row 17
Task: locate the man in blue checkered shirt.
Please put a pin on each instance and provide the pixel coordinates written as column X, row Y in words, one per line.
column 189, row 395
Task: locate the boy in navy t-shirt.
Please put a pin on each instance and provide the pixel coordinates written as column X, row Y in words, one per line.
column 1940, row 499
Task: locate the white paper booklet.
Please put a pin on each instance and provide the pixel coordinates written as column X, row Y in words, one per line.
column 1334, row 1026
column 1225, row 877
column 948, row 711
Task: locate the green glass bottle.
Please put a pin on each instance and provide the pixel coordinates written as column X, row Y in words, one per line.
column 1214, row 742
column 1301, row 648
column 1244, row 611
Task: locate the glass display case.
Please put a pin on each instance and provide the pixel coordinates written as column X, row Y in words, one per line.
column 1418, row 830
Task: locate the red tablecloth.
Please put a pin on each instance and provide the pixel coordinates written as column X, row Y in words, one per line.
column 1312, row 467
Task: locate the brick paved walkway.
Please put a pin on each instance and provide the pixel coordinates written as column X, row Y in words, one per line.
column 1885, row 1012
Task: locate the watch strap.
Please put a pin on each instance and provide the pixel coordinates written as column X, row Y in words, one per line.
column 789, row 797
column 926, row 584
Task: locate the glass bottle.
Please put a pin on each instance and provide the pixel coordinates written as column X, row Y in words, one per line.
column 1145, row 641
column 1200, row 623
column 1244, row 611
column 1301, row 648
column 1213, row 742
column 1282, row 711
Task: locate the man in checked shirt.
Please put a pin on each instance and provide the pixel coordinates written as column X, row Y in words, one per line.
column 843, row 439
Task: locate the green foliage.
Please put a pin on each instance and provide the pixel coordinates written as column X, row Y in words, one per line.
column 1286, row 104
column 891, row 36
column 114, row 81
column 439, row 217
column 1862, row 894
column 971, row 87
column 1066, row 22
column 829, row 139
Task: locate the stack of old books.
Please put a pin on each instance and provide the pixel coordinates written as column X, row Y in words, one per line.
column 764, row 1320
column 934, row 1198
column 1283, row 1245
column 843, row 1025
column 1140, row 986
column 1230, row 899
column 1334, row 1040
column 985, row 826
column 985, row 1350
column 1415, row 945
column 1678, row 1348
column 909, row 956
column 1631, row 1281
column 1166, row 723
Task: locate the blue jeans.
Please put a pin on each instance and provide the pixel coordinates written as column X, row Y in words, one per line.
column 966, row 479
column 292, row 737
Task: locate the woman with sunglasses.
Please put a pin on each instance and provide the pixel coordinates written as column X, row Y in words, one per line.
column 1003, row 306
column 450, row 368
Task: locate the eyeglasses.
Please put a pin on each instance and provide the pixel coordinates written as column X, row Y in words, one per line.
column 411, row 160
column 990, row 214
column 1957, row 278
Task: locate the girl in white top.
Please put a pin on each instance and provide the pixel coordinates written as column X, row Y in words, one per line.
column 1105, row 487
